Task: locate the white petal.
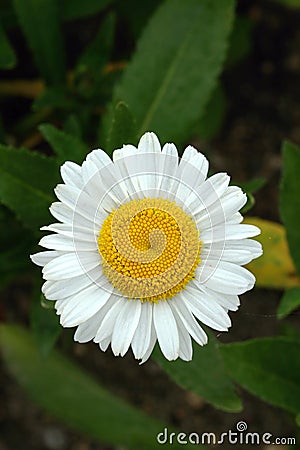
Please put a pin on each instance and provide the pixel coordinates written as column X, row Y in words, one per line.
column 107, row 325
column 228, row 232
column 62, row 212
column 182, row 192
column 151, row 344
column 127, row 164
column 71, row 265
column 166, row 330
column 92, row 179
column 104, row 344
column 244, row 252
column 191, row 173
column 73, row 230
column 185, row 342
column 235, row 218
column 67, row 244
column 229, row 302
column 102, row 179
column 67, row 215
column 146, row 166
column 141, row 339
column 124, row 152
column 207, row 193
column 84, row 305
column 124, row 159
column 43, row 258
column 196, row 159
column 149, row 143
column 206, row 309
column 89, row 170
column 141, row 172
column 141, row 167
column 125, row 327
column 233, row 200
column 105, row 184
column 99, row 157
column 71, row 174
column 225, row 277
column 108, row 186
column 239, row 252
column 171, row 150
column 189, row 321
column 87, row 330
column 56, row 290
column 189, row 154
column 222, row 209
column 167, row 167
column 78, row 201
column 61, row 304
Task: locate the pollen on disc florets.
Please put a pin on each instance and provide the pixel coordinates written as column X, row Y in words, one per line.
column 150, row 249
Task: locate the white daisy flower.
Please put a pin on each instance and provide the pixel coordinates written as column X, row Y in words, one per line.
column 145, row 247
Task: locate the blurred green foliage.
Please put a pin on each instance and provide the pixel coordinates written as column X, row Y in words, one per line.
column 75, row 397
column 217, row 388
column 268, row 368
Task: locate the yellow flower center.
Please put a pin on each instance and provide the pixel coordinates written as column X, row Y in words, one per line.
column 150, row 249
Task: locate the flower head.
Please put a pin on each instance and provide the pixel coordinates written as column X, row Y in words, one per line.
column 146, row 247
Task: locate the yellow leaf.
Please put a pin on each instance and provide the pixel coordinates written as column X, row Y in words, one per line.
column 275, row 268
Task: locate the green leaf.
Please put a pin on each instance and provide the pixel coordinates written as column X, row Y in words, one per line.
column 268, row 368
column 253, row 185
column 7, row 55
column 142, row 12
column 205, row 375
column 69, row 10
column 59, row 386
column 40, row 22
column 174, row 70
column 27, row 180
column 15, row 261
column 289, row 330
column 15, row 244
column 289, row 199
column 240, row 42
column 289, row 302
column 75, row 9
column 97, row 53
column 44, row 324
column 7, row 15
column 122, row 128
column 56, row 97
column 66, row 146
column 72, row 126
column 298, row 420
column 15, row 247
column 212, row 120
